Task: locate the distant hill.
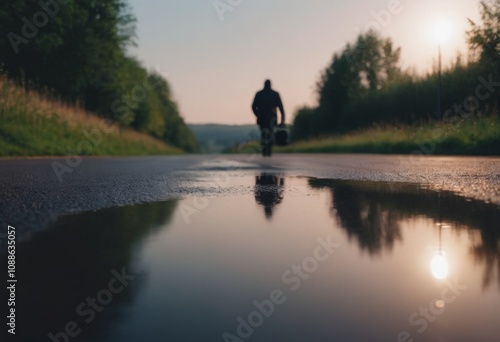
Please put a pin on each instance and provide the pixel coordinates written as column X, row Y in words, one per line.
column 214, row 138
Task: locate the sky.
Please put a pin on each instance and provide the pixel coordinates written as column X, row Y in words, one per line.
column 216, row 54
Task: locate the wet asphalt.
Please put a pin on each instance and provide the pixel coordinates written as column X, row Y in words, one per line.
column 37, row 191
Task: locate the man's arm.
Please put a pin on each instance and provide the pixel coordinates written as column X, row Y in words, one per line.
column 280, row 107
column 255, row 106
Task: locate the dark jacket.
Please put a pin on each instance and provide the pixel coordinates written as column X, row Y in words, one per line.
column 264, row 106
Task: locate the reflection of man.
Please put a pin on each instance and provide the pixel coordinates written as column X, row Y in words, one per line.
column 264, row 107
column 269, row 191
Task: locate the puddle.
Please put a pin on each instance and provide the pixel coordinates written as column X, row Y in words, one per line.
column 273, row 258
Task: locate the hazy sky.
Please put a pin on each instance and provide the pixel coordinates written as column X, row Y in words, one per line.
column 215, row 66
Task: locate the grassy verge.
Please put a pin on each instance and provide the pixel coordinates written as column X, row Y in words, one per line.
column 33, row 125
column 473, row 136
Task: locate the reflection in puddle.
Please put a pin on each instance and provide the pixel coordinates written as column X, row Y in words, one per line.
column 371, row 212
column 63, row 266
column 402, row 250
column 269, row 191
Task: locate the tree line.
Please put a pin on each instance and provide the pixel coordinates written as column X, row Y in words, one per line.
column 364, row 84
column 77, row 49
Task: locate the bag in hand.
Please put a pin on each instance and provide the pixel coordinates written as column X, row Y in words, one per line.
column 281, row 136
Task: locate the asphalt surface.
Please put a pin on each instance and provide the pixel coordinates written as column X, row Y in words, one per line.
column 33, row 195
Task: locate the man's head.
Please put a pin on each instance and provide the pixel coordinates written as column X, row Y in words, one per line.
column 267, row 84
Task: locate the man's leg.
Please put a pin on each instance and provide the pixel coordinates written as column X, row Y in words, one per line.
column 271, row 137
column 266, row 140
column 267, row 136
column 263, row 139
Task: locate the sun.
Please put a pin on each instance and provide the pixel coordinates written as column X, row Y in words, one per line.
column 442, row 31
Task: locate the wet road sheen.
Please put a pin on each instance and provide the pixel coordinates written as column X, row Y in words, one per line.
column 275, row 258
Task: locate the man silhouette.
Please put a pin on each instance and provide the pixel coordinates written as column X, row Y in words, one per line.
column 269, row 192
column 264, row 107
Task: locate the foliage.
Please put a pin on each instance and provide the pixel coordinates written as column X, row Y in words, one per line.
column 486, row 39
column 364, row 85
column 474, row 136
column 33, row 124
column 368, row 65
column 78, row 50
column 302, row 127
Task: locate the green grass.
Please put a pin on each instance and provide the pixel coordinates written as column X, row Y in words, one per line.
column 472, row 136
column 34, row 125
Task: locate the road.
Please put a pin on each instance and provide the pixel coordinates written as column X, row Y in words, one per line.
column 35, row 192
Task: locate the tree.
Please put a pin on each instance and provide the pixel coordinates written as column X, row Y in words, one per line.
column 486, row 39
column 78, row 49
column 334, row 89
column 302, row 124
column 374, row 60
column 368, row 65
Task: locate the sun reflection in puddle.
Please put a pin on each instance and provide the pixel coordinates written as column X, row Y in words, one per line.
column 439, row 266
